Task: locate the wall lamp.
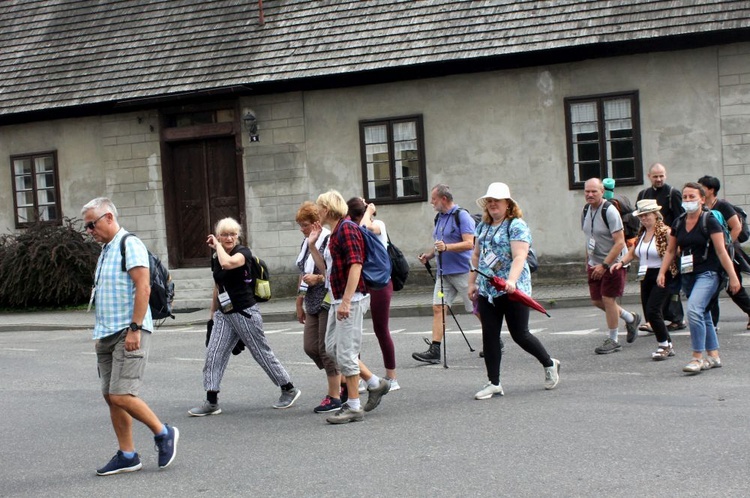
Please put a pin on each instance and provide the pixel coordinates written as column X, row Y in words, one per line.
column 250, row 123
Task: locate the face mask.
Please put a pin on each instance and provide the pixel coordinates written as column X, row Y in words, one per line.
column 690, row 206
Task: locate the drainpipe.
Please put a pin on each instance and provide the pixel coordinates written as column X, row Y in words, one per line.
column 261, row 17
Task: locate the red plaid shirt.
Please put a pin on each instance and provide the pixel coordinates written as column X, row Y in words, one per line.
column 347, row 248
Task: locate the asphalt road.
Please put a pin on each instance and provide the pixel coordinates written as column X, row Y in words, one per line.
column 617, row 425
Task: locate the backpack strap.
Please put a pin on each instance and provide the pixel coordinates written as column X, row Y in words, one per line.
column 605, row 205
column 122, row 250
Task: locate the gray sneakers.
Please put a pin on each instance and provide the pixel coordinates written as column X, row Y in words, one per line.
column 376, row 394
column 632, row 328
column 346, row 415
column 609, row 346
column 205, row 409
column 552, row 374
column 287, row 398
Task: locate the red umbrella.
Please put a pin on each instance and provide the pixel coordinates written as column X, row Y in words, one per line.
column 519, row 296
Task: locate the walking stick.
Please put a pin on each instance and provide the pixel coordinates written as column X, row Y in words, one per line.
column 442, row 310
column 429, row 270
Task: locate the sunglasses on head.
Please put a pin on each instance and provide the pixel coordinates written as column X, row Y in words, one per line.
column 92, row 224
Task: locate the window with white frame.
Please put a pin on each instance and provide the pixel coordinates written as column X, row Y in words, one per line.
column 603, row 139
column 393, row 165
column 36, row 192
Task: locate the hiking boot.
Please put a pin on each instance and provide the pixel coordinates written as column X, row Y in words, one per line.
column 205, row 409
column 552, row 375
column 489, row 390
column 119, row 464
column 346, row 415
column 376, row 394
column 287, row 398
column 609, row 346
column 328, row 404
column 713, row 362
column 632, row 328
column 432, row 355
column 662, row 353
column 696, row 365
column 166, row 445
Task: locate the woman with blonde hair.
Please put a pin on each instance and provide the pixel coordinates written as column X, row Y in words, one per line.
column 343, row 260
column 502, row 244
column 649, row 249
column 236, row 317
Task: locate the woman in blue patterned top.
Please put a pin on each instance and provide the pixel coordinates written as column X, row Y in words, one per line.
column 502, row 242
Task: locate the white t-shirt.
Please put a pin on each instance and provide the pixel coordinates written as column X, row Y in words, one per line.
column 383, row 235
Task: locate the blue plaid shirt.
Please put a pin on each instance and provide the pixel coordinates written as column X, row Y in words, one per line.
column 115, row 291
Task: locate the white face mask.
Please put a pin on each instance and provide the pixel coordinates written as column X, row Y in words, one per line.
column 690, row 206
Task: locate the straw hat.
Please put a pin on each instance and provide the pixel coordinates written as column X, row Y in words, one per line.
column 496, row 190
column 645, row 206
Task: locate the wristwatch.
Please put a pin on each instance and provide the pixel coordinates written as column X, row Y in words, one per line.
column 605, row 266
column 135, row 327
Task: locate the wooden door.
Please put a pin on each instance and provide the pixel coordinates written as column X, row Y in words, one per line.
column 206, row 189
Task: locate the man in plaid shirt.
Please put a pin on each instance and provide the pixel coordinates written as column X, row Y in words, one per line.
column 123, row 333
column 343, row 260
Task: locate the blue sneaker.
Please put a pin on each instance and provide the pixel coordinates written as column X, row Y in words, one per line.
column 120, row 464
column 166, row 445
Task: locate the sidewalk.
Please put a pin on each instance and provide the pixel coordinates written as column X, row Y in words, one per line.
column 412, row 302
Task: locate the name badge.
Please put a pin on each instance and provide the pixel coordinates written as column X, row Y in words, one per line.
column 592, row 244
column 686, row 264
column 225, row 302
column 490, row 259
column 642, row 269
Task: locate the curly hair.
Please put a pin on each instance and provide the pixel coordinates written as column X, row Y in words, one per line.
column 307, row 212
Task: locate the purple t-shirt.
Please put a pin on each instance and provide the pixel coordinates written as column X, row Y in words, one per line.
column 446, row 230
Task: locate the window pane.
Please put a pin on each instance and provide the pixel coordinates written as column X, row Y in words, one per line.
column 376, row 134
column 585, row 171
column 23, row 183
column 44, row 164
column 25, row 215
column 623, row 169
column 619, row 132
column 24, row 199
column 22, row 166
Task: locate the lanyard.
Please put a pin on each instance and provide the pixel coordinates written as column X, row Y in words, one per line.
column 640, row 246
column 101, row 264
column 485, row 245
column 593, row 217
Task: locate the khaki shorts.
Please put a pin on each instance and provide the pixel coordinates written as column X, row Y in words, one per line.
column 120, row 371
column 454, row 286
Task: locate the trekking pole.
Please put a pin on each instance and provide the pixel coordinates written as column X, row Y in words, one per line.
column 442, row 310
column 429, row 270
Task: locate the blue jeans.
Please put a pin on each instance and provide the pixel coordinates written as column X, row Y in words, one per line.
column 700, row 289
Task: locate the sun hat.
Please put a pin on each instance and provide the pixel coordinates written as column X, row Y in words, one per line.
column 496, row 190
column 645, row 206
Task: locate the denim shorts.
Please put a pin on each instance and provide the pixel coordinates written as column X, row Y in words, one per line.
column 120, row 371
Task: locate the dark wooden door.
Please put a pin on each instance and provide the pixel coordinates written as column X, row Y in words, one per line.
column 206, row 188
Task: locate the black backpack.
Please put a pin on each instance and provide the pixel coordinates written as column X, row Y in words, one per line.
column 744, row 235
column 162, row 287
column 631, row 224
column 399, row 266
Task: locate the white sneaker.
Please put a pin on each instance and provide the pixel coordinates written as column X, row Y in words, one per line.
column 362, row 386
column 489, row 390
column 394, row 384
column 552, row 375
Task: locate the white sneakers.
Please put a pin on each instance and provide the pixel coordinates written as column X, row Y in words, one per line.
column 489, row 390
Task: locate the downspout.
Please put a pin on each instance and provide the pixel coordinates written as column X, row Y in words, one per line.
column 261, row 17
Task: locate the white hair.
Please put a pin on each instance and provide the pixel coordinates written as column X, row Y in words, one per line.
column 100, row 205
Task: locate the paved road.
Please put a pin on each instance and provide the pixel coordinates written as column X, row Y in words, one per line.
column 618, row 425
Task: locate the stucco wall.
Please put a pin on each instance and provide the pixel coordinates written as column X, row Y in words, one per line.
column 734, row 81
column 115, row 156
column 509, row 126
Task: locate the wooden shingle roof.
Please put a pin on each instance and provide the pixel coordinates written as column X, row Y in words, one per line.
column 65, row 53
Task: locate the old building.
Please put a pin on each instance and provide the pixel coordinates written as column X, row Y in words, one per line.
column 186, row 111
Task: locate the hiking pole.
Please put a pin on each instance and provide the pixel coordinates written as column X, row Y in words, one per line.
column 442, row 310
column 429, row 270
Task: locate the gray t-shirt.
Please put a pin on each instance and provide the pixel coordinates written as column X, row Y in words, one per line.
column 594, row 227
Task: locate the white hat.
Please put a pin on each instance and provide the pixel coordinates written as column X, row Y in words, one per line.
column 645, row 206
column 496, row 190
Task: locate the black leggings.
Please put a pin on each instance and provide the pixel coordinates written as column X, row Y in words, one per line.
column 653, row 298
column 517, row 317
